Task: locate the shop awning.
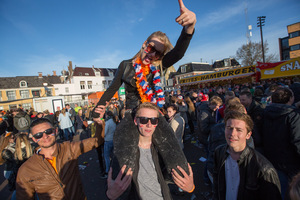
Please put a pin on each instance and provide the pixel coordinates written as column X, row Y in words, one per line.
column 218, row 76
column 285, row 69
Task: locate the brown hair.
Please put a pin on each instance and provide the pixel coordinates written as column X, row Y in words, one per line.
column 282, row 96
column 215, row 100
column 235, row 107
column 4, row 140
column 295, row 188
column 240, row 116
column 190, row 104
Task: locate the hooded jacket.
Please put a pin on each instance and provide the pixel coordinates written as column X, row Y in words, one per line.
column 22, row 121
column 281, row 137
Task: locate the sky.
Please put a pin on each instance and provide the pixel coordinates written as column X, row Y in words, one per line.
column 43, row 35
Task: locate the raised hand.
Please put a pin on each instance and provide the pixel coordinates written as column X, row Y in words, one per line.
column 186, row 182
column 186, row 18
column 115, row 188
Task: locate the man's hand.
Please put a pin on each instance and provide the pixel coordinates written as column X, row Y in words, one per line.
column 116, row 188
column 101, row 110
column 186, row 18
column 187, row 182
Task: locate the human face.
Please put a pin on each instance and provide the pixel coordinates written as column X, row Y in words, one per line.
column 146, row 130
column 236, row 134
column 149, row 56
column 245, row 100
column 47, row 140
column 171, row 112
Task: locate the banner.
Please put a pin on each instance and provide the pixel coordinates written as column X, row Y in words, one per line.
column 220, row 75
column 262, row 66
column 288, row 68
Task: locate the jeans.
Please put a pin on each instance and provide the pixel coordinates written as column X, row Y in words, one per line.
column 68, row 133
column 108, row 149
column 284, row 182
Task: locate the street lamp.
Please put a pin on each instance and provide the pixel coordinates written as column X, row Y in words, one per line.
column 261, row 23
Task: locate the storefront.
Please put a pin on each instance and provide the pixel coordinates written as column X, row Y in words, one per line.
column 232, row 76
column 286, row 69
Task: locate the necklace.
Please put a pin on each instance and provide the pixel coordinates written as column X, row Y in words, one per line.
column 145, row 91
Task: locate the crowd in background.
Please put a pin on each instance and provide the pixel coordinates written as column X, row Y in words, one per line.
column 197, row 113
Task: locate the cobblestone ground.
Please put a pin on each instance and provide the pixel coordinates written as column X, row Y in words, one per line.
column 94, row 186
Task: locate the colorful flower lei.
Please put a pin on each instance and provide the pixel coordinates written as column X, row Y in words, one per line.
column 145, row 91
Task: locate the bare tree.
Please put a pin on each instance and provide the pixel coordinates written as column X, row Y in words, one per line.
column 251, row 53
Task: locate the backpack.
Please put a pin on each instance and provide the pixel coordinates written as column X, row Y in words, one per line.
column 23, row 123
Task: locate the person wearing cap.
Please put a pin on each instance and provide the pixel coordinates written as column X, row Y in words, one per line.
column 52, row 172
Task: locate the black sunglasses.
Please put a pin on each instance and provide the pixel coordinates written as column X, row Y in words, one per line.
column 144, row 120
column 151, row 49
column 39, row 135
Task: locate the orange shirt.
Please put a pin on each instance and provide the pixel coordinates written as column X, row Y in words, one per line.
column 53, row 163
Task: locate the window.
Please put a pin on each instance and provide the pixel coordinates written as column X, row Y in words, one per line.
column 183, row 69
column 1, row 97
column 49, row 92
column 97, row 73
column 295, row 47
column 103, row 84
column 82, row 85
column 24, row 94
column 109, row 82
column 67, row 89
column 35, row 93
column 86, row 74
column 90, row 85
column 26, row 106
column 23, row 84
column 80, row 74
column 12, row 106
column 294, row 34
column 11, row 95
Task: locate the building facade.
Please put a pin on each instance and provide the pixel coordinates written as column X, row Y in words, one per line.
column 21, row 90
column 294, row 39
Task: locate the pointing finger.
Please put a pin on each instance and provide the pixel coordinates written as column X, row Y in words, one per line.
column 181, row 5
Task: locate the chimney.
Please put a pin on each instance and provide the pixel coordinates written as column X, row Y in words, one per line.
column 40, row 74
column 54, row 73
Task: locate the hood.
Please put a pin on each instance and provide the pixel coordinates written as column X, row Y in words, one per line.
column 21, row 114
column 275, row 110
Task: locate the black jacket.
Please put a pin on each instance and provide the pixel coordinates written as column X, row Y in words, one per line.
column 255, row 111
column 206, row 120
column 126, row 73
column 258, row 178
column 281, row 137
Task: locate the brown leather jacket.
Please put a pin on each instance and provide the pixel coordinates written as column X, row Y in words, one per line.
column 36, row 175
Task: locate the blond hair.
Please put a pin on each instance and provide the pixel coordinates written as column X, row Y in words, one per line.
column 164, row 39
column 147, row 105
column 21, row 140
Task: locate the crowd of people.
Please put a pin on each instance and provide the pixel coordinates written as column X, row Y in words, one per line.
column 250, row 134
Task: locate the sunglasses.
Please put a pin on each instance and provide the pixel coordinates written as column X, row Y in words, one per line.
column 151, row 49
column 144, row 120
column 39, row 135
